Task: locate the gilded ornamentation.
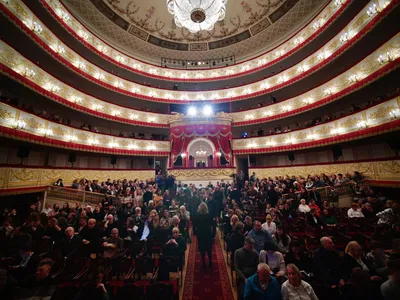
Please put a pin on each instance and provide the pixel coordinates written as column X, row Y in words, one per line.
column 33, row 124
column 5, row 114
column 389, row 167
column 350, row 122
column 82, row 136
column 382, row 112
column 22, row 174
column 196, row 174
column 302, row 135
column 59, row 131
column 324, row 130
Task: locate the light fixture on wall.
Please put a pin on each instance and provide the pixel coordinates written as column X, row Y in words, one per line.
column 196, row 15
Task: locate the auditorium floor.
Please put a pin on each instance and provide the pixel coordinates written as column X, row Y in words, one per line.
column 212, row 283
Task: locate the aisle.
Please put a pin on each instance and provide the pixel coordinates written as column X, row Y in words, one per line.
column 209, row 283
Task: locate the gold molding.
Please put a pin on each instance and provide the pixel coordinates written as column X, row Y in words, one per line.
column 25, row 177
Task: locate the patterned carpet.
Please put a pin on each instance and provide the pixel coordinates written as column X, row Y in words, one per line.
column 210, row 283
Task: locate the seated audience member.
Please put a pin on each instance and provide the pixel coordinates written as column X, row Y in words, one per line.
column 282, row 240
column 303, row 207
column 262, row 286
column 314, row 220
column 165, row 221
column 95, row 289
column 354, row 258
column 138, row 218
column 314, row 195
column 34, row 228
column 269, row 226
column 52, row 231
column 259, row 236
column 312, row 205
column 359, row 287
column 236, row 239
column 113, row 245
column 47, row 209
column 108, row 226
column 246, row 261
column 82, row 224
column 273, row 258
column 328, row 220
column 327, row 263
column 376, row 259
column 248, row 225
column 90, row 237
column 24, row 265
column 390, row 289
column 367, row 211
column 297, row 256
column 71, row 243
column 390, row 215
column 40, row 285
column 173, row 209
column 175, row 246
column 354, row 211
column 295, row 288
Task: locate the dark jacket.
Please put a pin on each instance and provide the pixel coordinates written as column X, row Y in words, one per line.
column 203, row 229
column 253, row 290
column 349, row 263
column 327, row 266
column 71, row 247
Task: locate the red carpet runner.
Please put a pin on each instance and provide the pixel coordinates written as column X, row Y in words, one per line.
column 209, row 283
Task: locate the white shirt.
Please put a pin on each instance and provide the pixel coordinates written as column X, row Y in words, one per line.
column 304, row 208
column 303, row 292
column 351, row 213
column 47, row 210
column 271, row 228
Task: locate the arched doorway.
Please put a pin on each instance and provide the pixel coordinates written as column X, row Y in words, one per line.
column 201, row 153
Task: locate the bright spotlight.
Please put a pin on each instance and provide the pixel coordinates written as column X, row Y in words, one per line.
column 207, row 110
column 192, row 111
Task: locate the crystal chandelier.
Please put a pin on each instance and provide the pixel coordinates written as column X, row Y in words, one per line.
column 196, row 15
column 201, row 152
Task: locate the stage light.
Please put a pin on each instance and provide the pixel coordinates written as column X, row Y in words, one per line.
column 192, row 111
column 207, row 110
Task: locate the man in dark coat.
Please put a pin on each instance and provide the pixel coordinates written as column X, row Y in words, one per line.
column 71, row 244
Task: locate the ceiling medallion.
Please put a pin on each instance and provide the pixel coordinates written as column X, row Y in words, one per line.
column 196, row 15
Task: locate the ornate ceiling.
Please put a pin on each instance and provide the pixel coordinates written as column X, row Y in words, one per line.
column 146, row 30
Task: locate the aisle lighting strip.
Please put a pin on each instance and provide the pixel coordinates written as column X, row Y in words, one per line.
column 96, row 74
column 384, row 58
column 326, row 16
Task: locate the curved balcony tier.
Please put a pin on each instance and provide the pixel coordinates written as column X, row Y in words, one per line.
column 24, row 126
column 330, row 51
column 378, row 119
column 376, row 65
column 285, row 49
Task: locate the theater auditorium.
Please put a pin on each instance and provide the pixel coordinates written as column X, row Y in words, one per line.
column 200, row 149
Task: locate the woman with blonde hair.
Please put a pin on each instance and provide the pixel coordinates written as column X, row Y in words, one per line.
column 234, row 221
column 203, row 230
column 354, row 258
column 154, row 218
column 294, row 288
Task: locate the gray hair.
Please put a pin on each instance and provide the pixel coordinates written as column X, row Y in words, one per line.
column 324, row 239
column 263, row 266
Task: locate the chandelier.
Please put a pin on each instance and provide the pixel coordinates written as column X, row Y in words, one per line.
column 201, row 152
column 196, row 15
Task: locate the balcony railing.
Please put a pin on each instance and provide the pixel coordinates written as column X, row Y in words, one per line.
column 55, row 194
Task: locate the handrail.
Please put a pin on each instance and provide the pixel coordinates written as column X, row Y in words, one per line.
column 57, row 194
column 343, row 189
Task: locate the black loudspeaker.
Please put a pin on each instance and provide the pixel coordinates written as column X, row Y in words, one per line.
column 252, row 160
column 190, row 157
column 71, row 157
column 337, row 152
column 210, row 157
column 113, row 160
column 394, row 143
column 291, row 156
column 23, row 152
column 150, row 162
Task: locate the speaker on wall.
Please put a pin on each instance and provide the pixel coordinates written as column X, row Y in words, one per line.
column 72, row 157
column 291, row 156
column 113, row 160
column 210, row 157
column 190, row 157
column 336, row 152
column 252, row 160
